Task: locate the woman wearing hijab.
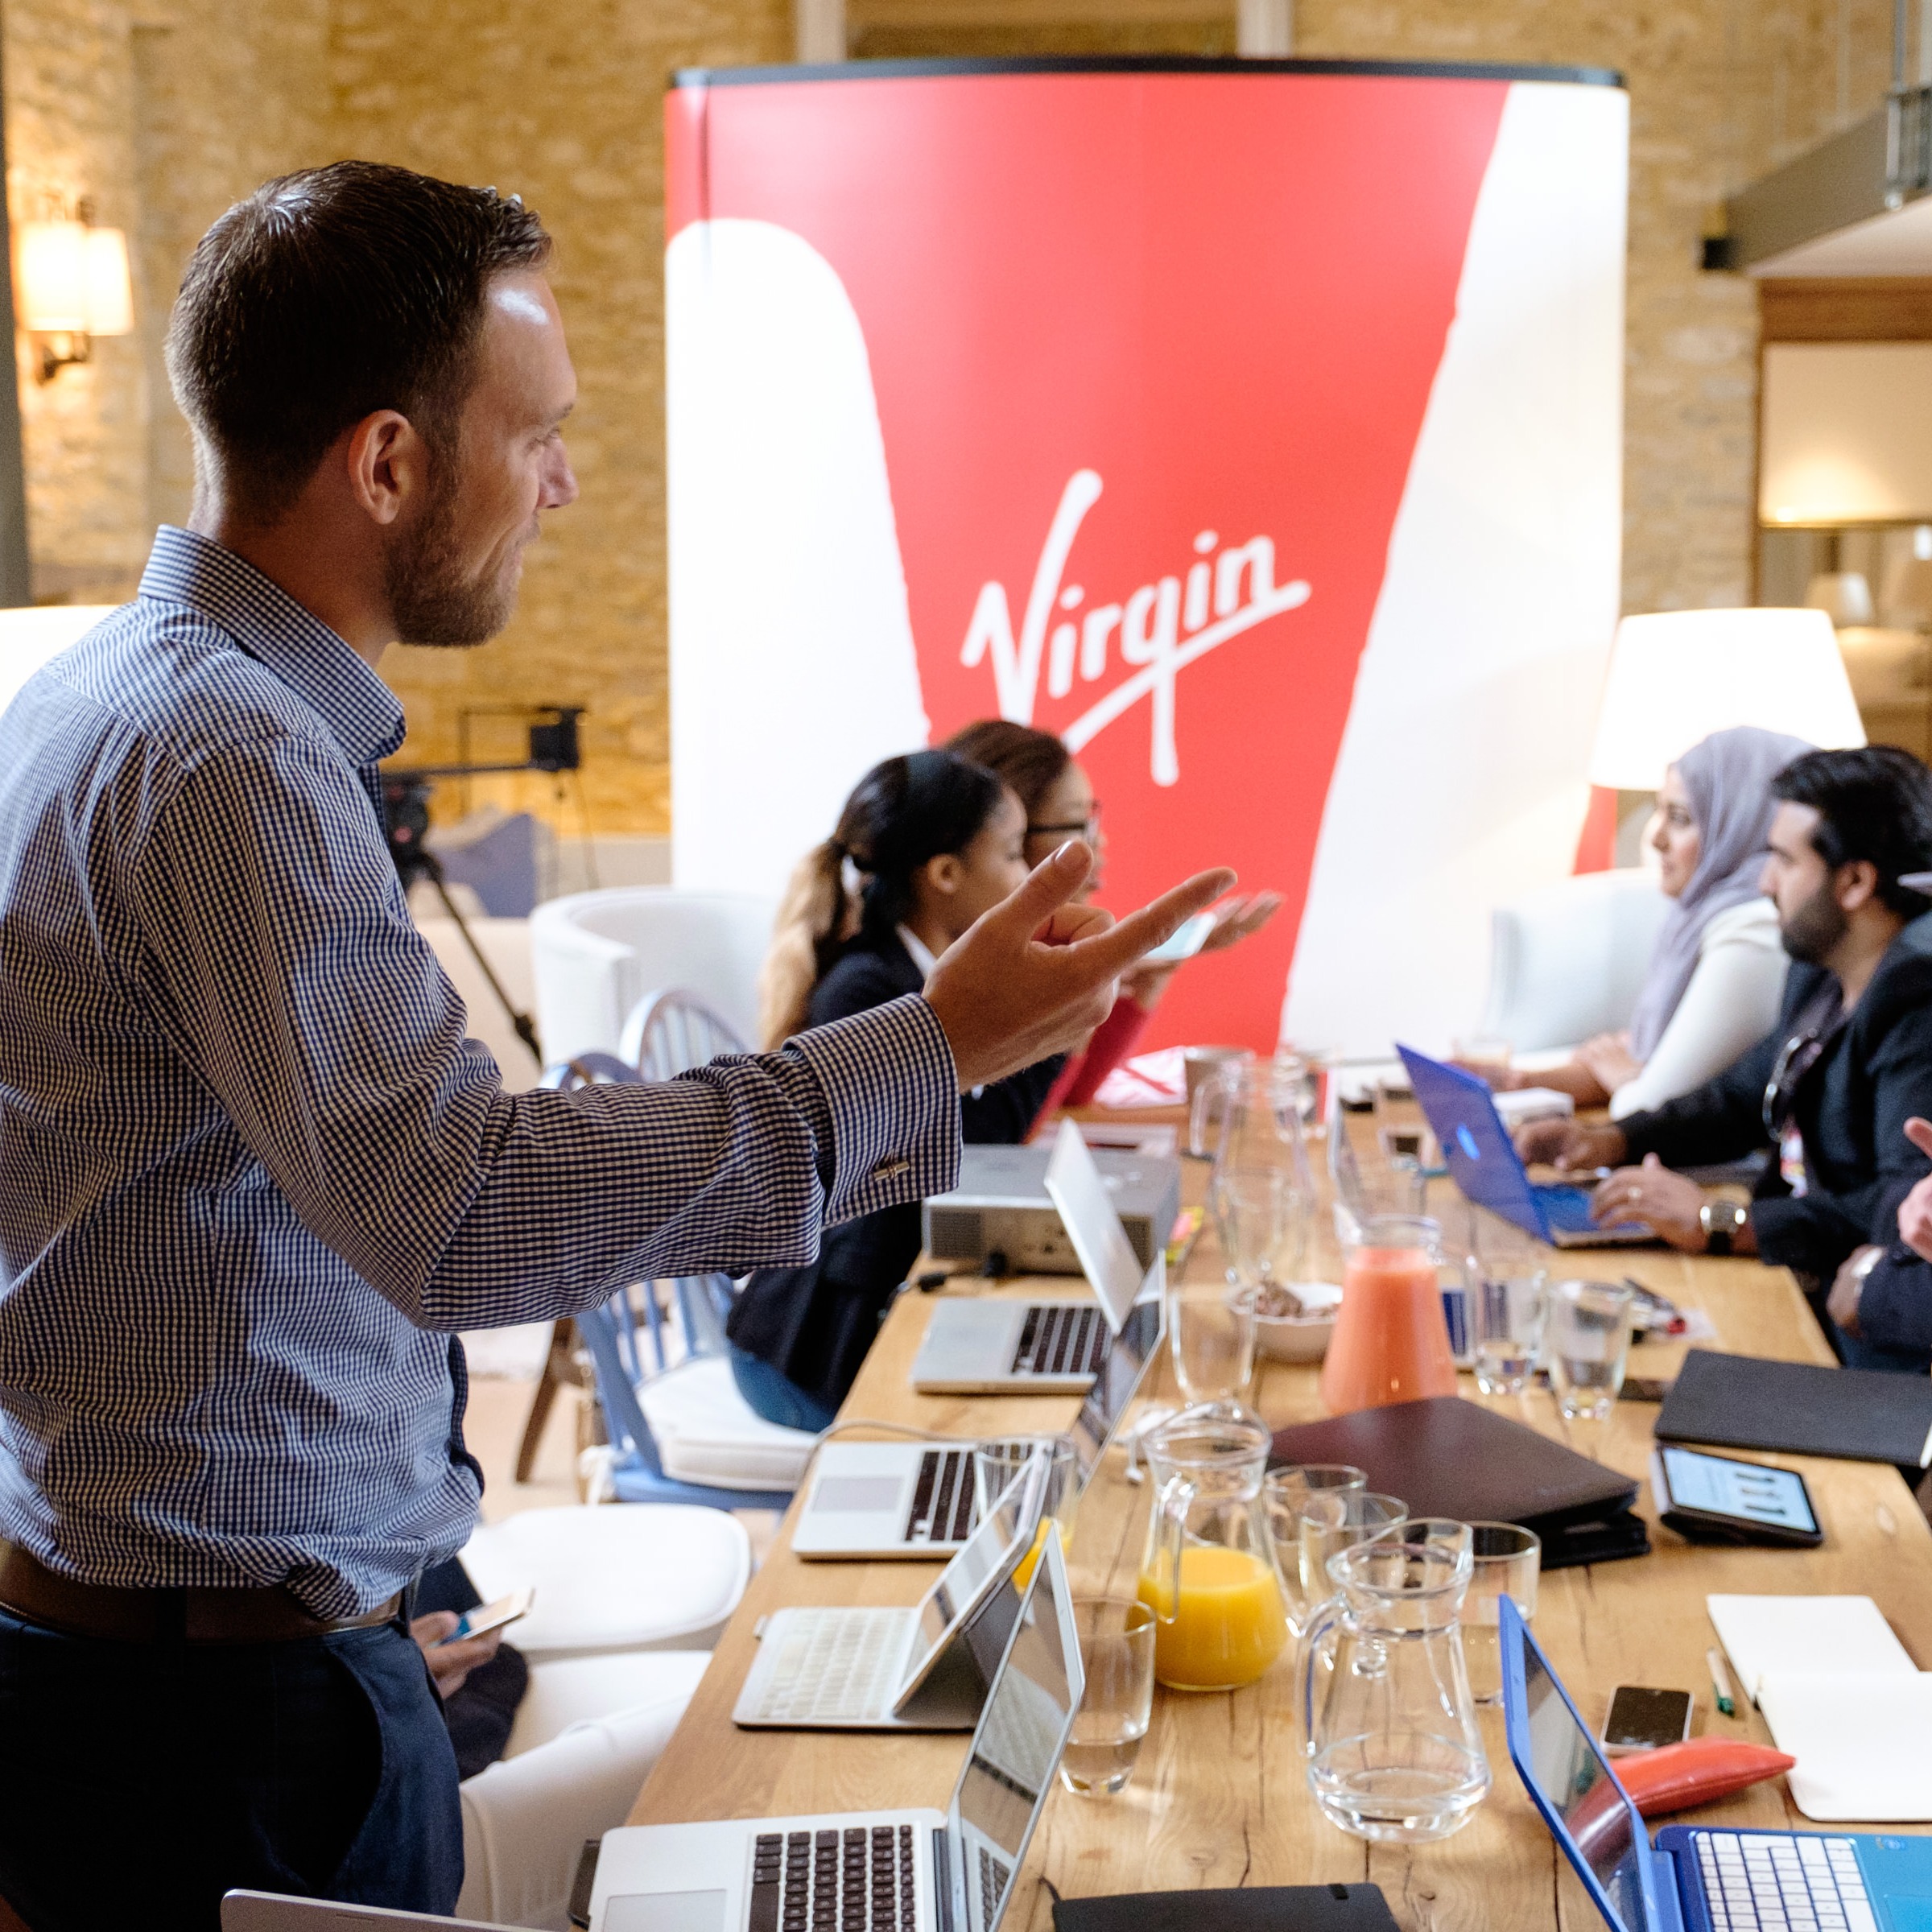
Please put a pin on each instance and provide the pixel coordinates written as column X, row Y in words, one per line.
column 1718, row 971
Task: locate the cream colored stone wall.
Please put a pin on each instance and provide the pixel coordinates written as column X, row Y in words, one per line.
column 165, row 110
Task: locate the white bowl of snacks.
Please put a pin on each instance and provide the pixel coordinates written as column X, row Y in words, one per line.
column 1293, row 1324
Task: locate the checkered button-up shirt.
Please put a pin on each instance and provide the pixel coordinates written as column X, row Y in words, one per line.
column 252, row 1172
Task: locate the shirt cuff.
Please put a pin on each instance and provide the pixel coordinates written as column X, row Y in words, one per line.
column 893, row 1090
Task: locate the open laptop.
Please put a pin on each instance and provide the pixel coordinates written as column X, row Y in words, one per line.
column 843, row 1668
column 1700, row 1878
column 903, row 1871
column 988, row 1345
column 918, row 1498
column 1484, row 1163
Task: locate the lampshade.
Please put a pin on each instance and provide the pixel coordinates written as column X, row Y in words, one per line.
column 1909, row 591
column 1679, row 675
column 74, row 279
column 32, row 634
column 1844, row 596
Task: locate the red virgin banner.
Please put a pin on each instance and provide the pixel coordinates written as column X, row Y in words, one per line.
column 1097, row 399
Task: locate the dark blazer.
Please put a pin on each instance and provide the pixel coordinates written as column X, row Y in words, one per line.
column 814, row 1324
column 1850, row 1109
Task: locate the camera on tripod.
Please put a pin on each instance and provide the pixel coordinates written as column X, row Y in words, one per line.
column 553, row 747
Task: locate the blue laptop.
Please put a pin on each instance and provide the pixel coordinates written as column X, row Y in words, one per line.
column 1700, row 1878
column 1483, row 1162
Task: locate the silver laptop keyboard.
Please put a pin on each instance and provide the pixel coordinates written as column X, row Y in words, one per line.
column 942, row 1509
column 1769, row 1882
column 1061, row 1340
column 834, row 1663
column 856, row 1879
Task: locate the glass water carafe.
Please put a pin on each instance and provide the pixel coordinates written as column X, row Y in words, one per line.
column 1394, row 1753
column 1248, row 1117
column 1207, row 1573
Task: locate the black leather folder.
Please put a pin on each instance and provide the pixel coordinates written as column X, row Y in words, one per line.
column 1741, row 1402
column 1250, row 1909
column 1447, row 1457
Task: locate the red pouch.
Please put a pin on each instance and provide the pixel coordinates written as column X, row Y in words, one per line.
column 1675, row 1776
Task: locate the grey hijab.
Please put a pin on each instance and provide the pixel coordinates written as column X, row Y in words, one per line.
column 1728, row 776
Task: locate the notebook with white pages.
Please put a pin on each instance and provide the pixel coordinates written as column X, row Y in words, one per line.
column 1860, row 1740
column 1761, row 1634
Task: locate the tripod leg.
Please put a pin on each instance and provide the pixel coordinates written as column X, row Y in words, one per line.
column 526, row 1031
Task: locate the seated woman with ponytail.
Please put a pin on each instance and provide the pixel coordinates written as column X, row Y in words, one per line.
column 926, row 843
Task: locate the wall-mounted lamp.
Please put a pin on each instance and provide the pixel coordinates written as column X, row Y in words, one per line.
column 73, row 286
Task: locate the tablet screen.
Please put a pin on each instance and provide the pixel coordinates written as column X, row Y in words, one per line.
column 1747, row 1492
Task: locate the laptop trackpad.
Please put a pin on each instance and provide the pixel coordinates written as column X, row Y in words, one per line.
column 864, row 1495
column 665, row 1912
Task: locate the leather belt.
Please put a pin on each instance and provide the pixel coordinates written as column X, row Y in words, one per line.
column 264, row 1615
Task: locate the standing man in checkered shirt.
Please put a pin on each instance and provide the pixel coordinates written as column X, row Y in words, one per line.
column 252, row 1175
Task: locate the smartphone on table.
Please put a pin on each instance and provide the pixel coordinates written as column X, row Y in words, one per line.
column 1642, row 1719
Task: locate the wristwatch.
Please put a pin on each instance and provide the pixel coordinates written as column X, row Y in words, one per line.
column 1723, row 1221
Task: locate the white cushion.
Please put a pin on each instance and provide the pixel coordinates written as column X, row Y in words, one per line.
column 707, row 1432
column 525, row 1820
column 566, row 1691
column 632, row 1577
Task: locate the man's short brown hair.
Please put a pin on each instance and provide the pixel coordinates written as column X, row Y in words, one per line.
column 328, row 296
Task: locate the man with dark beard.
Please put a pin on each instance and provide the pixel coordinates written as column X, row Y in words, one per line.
column 254, row 1176
column 1826, row 1094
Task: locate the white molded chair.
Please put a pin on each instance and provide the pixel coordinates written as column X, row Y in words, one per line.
column 587, row 1734
column 658, row 1577
column 596, row 954
column 1568, row 961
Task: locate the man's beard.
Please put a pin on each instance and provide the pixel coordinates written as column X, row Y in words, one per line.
column 431, row 599
column 1817, row 925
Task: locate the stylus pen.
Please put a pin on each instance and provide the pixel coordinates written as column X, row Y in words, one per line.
column 1720, row 1682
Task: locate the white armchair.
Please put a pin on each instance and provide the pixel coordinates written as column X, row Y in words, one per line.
column 1568, row 960
column 656, row 1576
column 596, row 954
column 587, row 1732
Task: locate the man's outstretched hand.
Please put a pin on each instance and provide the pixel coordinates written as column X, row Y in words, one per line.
column 1036, row 975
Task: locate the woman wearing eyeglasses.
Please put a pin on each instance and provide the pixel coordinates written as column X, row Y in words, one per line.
column 1058, row 797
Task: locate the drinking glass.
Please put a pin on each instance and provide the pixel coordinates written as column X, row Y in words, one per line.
column 1117, row 1649
column 1508, row 1559
column 1335, row 1520
column 1589, row 1346
column 1212, row 1325
column 1436, row 1532
column 1506, row 1320
column 1283, row 1496
column 995, row 1464
column 1485, row 1054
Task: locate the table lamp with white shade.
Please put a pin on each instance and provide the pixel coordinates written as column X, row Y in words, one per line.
column 31, row 634
column 1677, row 676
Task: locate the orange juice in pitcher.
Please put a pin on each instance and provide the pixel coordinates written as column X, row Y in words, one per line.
column 1206, row 1575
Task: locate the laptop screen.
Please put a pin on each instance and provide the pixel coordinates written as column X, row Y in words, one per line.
column 1017, row 1744
column 1592, row 1815
column 1093, row 1225
column 987, row 1555
column 1481, row 1156
column 1121, row 1368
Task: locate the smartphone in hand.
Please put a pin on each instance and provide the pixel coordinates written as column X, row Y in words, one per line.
column 490, row 1616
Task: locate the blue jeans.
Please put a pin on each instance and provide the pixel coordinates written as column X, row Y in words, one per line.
column 775, row 1397
column 140, row 1781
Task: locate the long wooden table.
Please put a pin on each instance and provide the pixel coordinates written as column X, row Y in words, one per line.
column 1220, row 1797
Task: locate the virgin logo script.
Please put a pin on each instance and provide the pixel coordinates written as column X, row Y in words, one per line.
column 1161, row 630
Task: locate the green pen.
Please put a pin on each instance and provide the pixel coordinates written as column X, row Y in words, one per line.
column 1720, row 1682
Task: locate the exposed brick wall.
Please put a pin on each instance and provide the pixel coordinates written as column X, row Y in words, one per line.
column 166, row 114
